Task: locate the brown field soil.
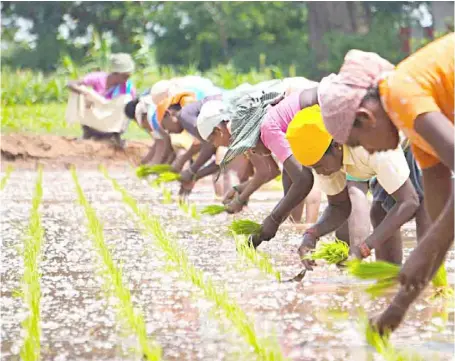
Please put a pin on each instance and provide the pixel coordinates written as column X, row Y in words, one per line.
column 25, row 151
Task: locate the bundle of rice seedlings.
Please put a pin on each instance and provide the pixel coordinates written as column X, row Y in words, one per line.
column 443, row 289
column 333, row 252
column 166, row 177
column 145, row 170
column 385, row 274
column 245, row 227
column 213, row 209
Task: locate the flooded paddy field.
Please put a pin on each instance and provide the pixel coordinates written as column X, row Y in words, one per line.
column 81, row 316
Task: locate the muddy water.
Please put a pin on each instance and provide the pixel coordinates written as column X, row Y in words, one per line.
column 315, row 319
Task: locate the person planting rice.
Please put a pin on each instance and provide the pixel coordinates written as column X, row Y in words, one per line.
column 265, row 168
column 174, row 118
column 367, row 104
column 258, row 127
column 110, row 86
column 165, row 146
column 314, row 147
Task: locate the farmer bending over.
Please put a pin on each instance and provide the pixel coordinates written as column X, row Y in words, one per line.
column 367, row 105
column 109, row 85
column 258, row 127
column 313, row 146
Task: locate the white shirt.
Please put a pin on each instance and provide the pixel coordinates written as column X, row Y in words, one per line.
column 390, row 168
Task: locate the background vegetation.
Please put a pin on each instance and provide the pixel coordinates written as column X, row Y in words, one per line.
column 44, row 44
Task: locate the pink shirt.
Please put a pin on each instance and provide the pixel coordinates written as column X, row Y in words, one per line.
column 275, row 125
column 97, row 80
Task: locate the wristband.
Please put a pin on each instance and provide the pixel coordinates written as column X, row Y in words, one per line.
column 312, row 232
column 239, row 201
column 274, row 220
column 364, row 250
column 193, row 174
column 236, row 189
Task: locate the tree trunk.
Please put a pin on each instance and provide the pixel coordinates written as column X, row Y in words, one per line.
column 343, row 17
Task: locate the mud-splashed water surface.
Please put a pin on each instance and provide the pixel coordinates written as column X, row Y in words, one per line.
column 315, row 319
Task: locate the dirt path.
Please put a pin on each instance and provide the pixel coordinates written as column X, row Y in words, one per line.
column 24, row 151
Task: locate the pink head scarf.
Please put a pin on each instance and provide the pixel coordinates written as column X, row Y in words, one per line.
column 341, row 95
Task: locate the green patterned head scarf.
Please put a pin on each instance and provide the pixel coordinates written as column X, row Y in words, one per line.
column 248, row 111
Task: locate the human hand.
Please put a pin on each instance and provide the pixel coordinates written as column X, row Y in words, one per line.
column 416, row 272
column 308, row 244
column 187, row 176
column 229, row 196
column 185, row 189
column 178, row 164
column 389, row 320
column 234, row 206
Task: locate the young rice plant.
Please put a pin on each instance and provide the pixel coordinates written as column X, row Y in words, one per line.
column 265, row 349
column 256, row 258
column 31, row 288
column 113, row 277
column 5, row 178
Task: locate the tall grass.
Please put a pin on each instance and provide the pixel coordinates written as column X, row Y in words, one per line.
column 5, row 178
column 264, row 349
column 31, row 287
column 113, row 277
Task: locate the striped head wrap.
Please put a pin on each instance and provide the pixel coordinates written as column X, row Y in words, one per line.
column 247, row 112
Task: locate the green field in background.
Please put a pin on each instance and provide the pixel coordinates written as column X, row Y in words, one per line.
column 49, row 119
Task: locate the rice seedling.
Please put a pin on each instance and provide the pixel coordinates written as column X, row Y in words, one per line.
column 385, row 274
column 144, row 170
column 256, row 258
column 112, row 274
column 190, row 209
column 245, row 227
column 382, row 344
column 166, row 177
column 213, row 209
column 167, row 195
column 442, row 286
column 5, row 178
column 31, row 288
column 333, row 252
column 264, row 349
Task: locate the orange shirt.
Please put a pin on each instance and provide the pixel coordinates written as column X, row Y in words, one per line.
column 183, row 99
column 421, row 83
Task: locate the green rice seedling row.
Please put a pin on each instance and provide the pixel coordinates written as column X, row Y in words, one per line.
column 5, row 178
column 265, row 349
column 113, row 275
column 31, row 287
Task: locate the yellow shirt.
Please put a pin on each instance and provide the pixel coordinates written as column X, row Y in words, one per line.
column 390, row 168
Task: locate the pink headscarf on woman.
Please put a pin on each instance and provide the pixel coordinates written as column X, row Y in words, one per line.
column 341, row 95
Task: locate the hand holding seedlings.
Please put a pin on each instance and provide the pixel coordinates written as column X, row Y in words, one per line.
column 308, row 245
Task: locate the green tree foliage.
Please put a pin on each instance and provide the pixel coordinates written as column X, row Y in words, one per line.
column 303, row 38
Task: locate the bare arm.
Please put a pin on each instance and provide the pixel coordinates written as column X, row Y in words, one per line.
column 74, row 86
column 437, row 130
column 407, row 203
column 301, row 179
column 185, row 157
column 207, row 151
column 308, row 97
column 265, row 170
column 336, row 213
column 164, row 149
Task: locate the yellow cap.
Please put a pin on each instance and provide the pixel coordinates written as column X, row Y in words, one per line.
column 308, row 137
